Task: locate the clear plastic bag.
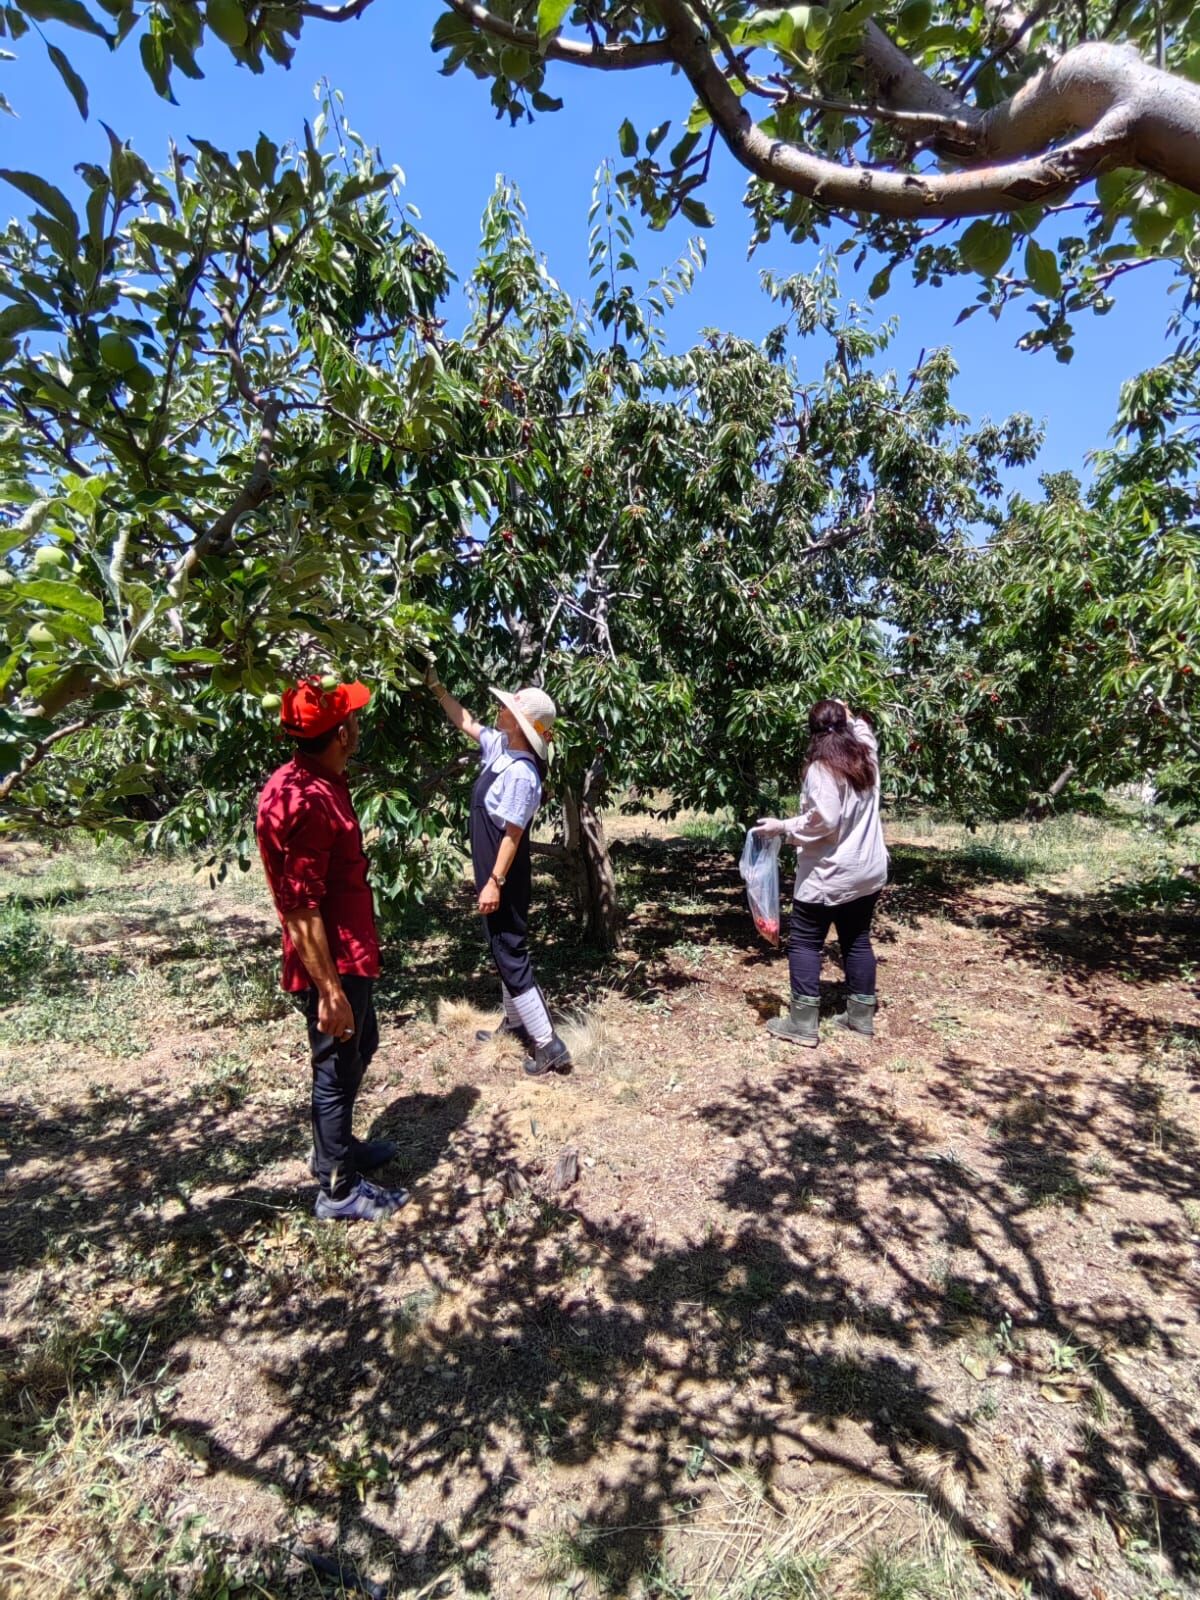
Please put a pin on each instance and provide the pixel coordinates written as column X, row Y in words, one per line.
column 759, row 868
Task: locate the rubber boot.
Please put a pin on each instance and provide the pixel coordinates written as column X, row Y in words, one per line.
column 800, row 1024
column 859, row 1015
column 553, row 1056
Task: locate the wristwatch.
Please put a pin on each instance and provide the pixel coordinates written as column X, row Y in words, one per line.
column 498, row 880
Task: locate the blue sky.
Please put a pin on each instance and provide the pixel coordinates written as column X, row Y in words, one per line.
column 444, row 135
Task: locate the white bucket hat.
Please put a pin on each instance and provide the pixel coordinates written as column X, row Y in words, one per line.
column 534, row 710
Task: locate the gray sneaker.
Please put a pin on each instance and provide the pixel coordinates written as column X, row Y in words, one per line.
column 366, row 1202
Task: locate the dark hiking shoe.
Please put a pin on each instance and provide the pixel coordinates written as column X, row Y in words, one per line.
column 365, row 1155
column 366, row 1202
column 553, row 1056
column 516, row 1029
column 859, row 1015
column 799, row 1026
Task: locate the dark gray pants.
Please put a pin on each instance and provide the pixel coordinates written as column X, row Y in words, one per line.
column 337, row 1068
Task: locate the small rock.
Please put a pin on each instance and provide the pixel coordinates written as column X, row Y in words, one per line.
column 1000, row 1369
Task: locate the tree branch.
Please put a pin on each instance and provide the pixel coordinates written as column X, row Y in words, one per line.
column 1126, row 114
column 39, row 752
column 607, row 58
column 254, row 491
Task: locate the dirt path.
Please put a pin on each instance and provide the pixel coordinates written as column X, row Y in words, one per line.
column 879, row 1302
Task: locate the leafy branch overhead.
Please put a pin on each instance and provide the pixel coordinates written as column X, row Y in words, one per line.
column 1066, row 137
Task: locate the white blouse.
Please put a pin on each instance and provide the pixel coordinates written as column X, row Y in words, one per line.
column 840, row 853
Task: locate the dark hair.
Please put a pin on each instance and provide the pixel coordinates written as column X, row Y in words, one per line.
column 833, row 742
column 318, row 745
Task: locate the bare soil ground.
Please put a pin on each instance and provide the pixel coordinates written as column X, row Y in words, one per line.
column 911, row 1317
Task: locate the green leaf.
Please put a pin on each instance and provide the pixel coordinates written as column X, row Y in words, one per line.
column 697, row 212
column 1041, row 268
column 627, row 139
column 356, row 188
column 154, row 59
column 985, row 247
column 206, row 657
column 8, row 667
column 550, row 16
column 656, row 136
column 21, row 318
column 61, row 597
column 71, row 12
column 70, row 77
column 44, row 194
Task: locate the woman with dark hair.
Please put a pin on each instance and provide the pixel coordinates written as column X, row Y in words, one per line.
column 841, row 865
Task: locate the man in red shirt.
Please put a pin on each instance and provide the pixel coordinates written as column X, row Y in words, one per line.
column 312, row 851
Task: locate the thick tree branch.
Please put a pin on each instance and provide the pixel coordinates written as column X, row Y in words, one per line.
column 1101, row 106
column 39, row 753
column 1123, row 113
column 253, row 492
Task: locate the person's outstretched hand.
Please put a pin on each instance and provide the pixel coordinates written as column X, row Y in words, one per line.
column 430, row 676
column 769, row 828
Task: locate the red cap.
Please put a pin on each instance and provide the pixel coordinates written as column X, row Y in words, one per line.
column 309, row 711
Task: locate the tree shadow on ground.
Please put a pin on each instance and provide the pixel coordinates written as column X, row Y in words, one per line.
column 405, row 1384
column 446, row 1358
column 1143, row 931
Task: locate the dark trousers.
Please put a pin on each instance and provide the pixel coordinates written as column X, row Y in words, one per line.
column 337, row 1068
column 507, row 935
column 808, row 930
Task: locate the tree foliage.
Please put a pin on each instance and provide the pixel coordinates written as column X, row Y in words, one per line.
column 239, row 442
column 1044, row 151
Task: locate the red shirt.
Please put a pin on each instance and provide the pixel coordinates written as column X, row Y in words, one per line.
column 312, row 850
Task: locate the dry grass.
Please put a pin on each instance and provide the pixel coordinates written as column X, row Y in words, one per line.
column 748, row 1542
column 593, row 1036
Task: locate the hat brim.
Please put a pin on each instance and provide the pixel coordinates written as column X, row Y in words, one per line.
column 538, row 742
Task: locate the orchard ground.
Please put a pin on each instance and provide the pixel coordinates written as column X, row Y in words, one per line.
column 916, row 1317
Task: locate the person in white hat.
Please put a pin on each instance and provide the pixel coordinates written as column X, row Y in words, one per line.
column 507, row 793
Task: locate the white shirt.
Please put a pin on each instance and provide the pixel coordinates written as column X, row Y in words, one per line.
column 840, row 853
column 516, row 792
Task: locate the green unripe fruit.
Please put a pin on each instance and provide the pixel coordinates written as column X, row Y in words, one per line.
column 270, row 702
column 49, row 555
column 915, row 17
column 40, row 634
column 118, row 352
column 139, row 378
column 228, row 21
column 6, row 580
column 329, row 681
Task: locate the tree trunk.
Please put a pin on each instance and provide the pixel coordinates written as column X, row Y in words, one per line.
column 1039, row 805
column 596, row 885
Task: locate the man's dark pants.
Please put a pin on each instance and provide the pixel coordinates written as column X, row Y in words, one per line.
column 338, row 1066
